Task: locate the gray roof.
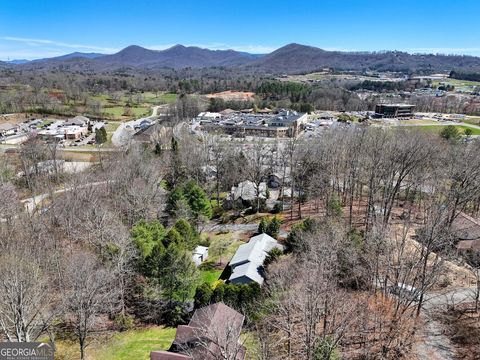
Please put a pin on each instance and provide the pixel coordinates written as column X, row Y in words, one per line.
column 250, row 256
column 255, row 250
column 247, row 190
column 7, row 126
column 249, row 270
column 78, row 120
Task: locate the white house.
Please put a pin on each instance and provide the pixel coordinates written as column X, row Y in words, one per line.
column 200, row 254
column 246, row 264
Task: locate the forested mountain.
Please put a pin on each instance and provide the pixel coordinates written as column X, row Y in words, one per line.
column 73, row 56
column 177, row 57
column 300, row 58
column 292, row 58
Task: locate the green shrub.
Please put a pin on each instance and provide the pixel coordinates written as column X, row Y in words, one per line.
column 277, row 208
column 124, row 322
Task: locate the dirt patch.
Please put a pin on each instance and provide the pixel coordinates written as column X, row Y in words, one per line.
column 233, row 95
column 18, row 118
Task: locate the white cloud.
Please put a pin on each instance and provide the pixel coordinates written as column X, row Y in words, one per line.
column 39, row 42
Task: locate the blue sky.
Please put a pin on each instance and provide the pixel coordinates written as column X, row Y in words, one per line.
column 42, row 28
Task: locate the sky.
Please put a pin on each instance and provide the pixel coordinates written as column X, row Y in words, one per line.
column 32, row 29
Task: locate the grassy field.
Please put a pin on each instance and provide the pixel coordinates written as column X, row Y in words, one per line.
column 438, row 128
column 460, row 85
column 231, row 244
column 136, row 344
column 112, row 126
column 132, row 344
column 118, row 111
column 159, row 98
column 472, row 120
column 417, row 122
column 457, row 83
column 209, row 275
column 113, row 105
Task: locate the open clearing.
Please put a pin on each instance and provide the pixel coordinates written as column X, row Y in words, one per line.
column 132, row 344
column 438, row 128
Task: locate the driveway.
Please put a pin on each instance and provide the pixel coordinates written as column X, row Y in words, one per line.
column 434, row 344
column 124, row 133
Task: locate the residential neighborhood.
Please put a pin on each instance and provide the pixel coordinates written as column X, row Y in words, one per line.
column 254, row 180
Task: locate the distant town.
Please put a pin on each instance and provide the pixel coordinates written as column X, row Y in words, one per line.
column 244, row 202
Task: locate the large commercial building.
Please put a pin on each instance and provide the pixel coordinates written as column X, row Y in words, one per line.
column 394, row 111
column 285, row 123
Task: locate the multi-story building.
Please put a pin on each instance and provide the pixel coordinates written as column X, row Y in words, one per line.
column 394, row 110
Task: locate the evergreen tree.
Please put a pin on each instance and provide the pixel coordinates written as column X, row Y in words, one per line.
column 262, row 227
column 273, row 227
column 198, row 200
column 187, row 232
column 177, row 274
column 203, row 294
column 148, row 238
column 450, row 132
column 101, row 135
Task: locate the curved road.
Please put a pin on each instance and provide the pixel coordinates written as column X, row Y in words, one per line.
column 126, row 130
column 32, row 202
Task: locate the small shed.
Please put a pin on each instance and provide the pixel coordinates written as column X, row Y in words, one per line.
column 200, row 254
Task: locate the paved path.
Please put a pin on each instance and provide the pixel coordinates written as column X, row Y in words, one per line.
column 32, row 202
column 126, row 130
column 434, row 344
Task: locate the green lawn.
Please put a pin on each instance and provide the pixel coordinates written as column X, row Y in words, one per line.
column 209, row 275
column 231, row 243
column 117, row 111
column 132, row 344
column 457, row 83
column 112, row 126
column 438, row 128
column 472, row 120
column 135, row 344
column 160, row 98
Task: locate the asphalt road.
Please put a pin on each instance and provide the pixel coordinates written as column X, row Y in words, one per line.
column 123, row 134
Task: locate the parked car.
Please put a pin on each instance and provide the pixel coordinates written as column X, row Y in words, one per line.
column 404, row 290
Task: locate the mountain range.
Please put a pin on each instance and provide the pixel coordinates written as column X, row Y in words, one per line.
column 292, row 58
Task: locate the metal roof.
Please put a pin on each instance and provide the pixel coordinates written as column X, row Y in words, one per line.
column 250, row 256
column 249, row 270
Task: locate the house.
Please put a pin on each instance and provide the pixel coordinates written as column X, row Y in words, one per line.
column 7, row 129
column 209, row 116
column 200, row 254
column 212, row 331
column 247, row 191
column 247, row 263
column 73, row 132
column 275, row 180
column 149, row 134
column 227, row 112
column 467, row 230
column 81, row 121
